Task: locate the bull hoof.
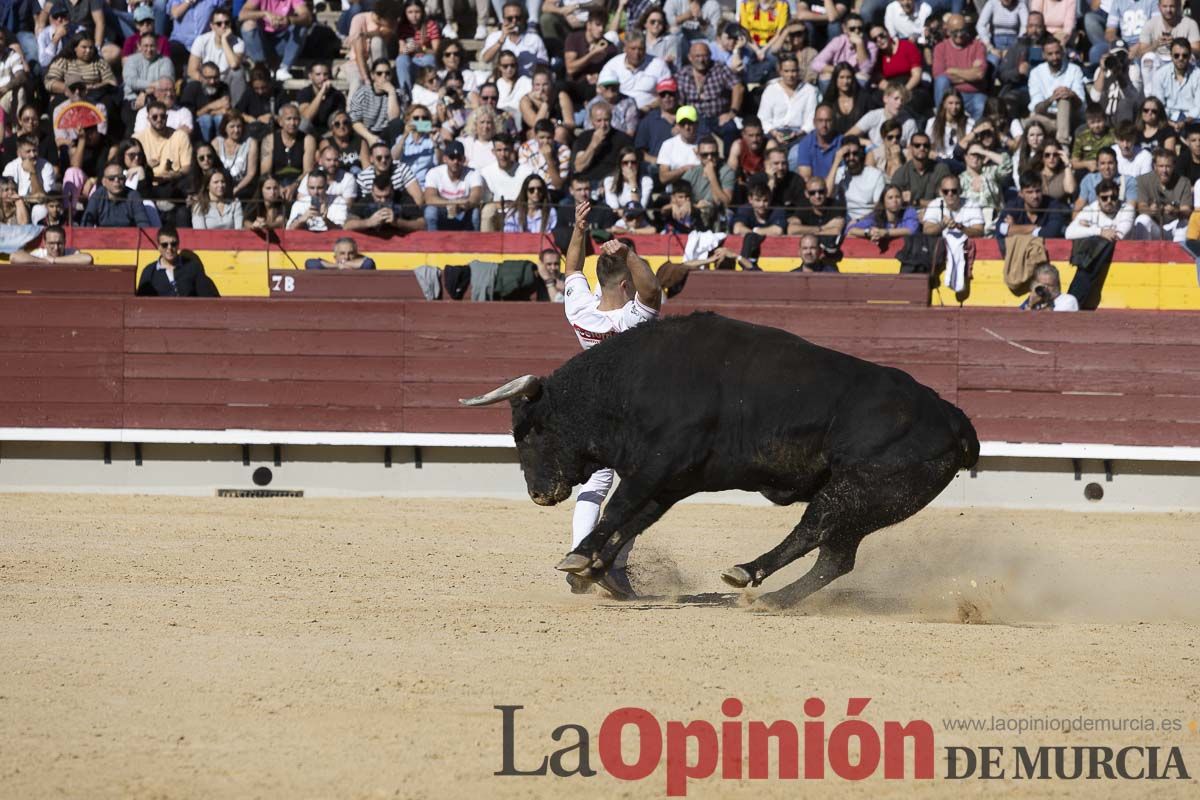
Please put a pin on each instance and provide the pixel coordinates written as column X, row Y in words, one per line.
column 736, row 577
column 578, row 584
column 574, row 563
column 616, row 585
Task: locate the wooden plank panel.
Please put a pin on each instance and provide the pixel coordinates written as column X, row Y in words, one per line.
column 891, row 322
column 64, row 390
column 1117, row 326
column 272, row 393
column 557, row 343
column 1104, row 408
column 471, row 368
column 262, row 314
column 60, row 415
column 58, row 280
column 1083, row 378
column 494, row 319
column 209, row 343
column 274, row 367
column 292, row 284
column 35, row 339
column 495, row 419
column 1057, row 431
column 60, row 312
column 60, row 365
column 221, row 417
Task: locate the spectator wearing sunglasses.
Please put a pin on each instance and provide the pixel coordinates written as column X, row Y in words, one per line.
column 375, row 104
column 174, row 273
column 951, row 212
column 515, row 37
column 920, row 177
column 1107, row 216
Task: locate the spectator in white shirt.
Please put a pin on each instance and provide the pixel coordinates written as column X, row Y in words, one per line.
column 513, row 37
column 319, row 211
column 905, row 19
column 678, row 153
column 1106, row 217
column 1178, row 85
column 1046, row 292
column 638, row 72
column 1056, row 93
column 950, row 211
column 787, row 106
column 502, row 179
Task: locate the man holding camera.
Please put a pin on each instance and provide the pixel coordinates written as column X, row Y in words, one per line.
column 1047, row 294
column 1164, row 201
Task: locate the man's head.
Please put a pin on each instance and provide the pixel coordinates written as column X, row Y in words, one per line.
column 54, row 209
column 681, row 192
column 752, row 134
column 957, row 30
column 221, row 20
column 514, row 18
column 1046, row 275
column 907, row 6
column 1031, row 192
column 1126, row 135
column 1164, row 165
column 668, row 95
column 329, row 160
column 289, row 119
column 1053, row 53
column 609, row 89
column 823, row 122
column 164, row 91
column 699, row 56
column 635, row 48
column 581, row 189
column 168, row 244
column 1169, row 9
column 816, row 192
column 1035, row 26
column 156, row 115
column 550, row 260
column 775, row 163
column 344, row 249
column 687, row 119
column 210, row 76
column 810, row 250
column 54, row 239
column 317, row 184
column 148, row 46
column 951, row 192
column 708, row 152
column 1108, row 194
column 597, row 20
column 489, row 95
column 853, row 154
column 27, row 147
column 381, row 74
column 1191, row 135
column 1106, row 163
column 505, row 151
column 381, row 158
column 1181, row 54
column 382, row 191
column 601, row 116
column 454, row 156
column 613, row 274
column 760, row 197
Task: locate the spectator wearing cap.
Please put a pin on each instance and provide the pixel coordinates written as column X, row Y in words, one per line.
column 658, row 124
column 585, row 53
column 624, row 110
column 713, row 90
column 143, row 23
column 275, row 29
column 637, row 71
column 632, row 221
column 850, row 47
column 596, row 151
column 678, row 153
column 453, row 193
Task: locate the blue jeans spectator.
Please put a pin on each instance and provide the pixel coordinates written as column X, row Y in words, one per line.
column 404, row 68
column 973, row 102
column 1093, row 23
column 1001, row 41
column 436, row 219
column 286, row 43
column 209, row 125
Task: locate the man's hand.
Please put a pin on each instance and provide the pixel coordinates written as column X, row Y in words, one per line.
column 614, row 247
column 581, row 215
column 1110, row 234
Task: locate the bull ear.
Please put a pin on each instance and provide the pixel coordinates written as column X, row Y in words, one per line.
column 529, row 386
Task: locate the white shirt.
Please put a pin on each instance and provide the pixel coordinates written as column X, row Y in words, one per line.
column 336, row 213
column 206, row 49
column 479, row 154
column 675, row 153
column 528, row 43
column 1092, row 220
column 872, row 123
column 346, row 186
column 777, row 110
column 501, row 185
column 511, row 94
column 591, row 325
column 901, row 25
column 178, row 117
column 968, row 214
column 448, row 188
column 12, row 66
column 638, row 84
column 1135, row 167
column 1043, row 82
column 13, row 170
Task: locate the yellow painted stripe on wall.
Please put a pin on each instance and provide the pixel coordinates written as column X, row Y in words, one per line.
column 243, row 273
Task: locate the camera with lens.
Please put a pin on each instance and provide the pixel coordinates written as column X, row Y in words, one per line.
column 1043, row 298
column 1116, row 61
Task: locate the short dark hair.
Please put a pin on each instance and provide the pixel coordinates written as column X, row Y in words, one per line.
column 54, row 229
column 382, row 182
column 682, row 187
column 1190, row 128
column 1029, row 179
column 1110, row 151
column 504, row 138
column 611, row 269
column 1106, row 185
column 1094, row 110
column 1162, row 152
column 167, row 229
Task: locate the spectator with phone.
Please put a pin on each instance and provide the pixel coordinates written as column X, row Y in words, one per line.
column 319, row 211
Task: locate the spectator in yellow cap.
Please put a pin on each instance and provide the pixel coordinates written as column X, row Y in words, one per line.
column 678, row 154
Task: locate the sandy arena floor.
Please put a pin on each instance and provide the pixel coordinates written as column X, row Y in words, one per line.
column 168, row 647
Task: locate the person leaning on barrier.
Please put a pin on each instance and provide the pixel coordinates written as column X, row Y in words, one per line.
column 174, row 273
column 813, row 257
column 1046, row 292
column 54, row 250
column 345, row 256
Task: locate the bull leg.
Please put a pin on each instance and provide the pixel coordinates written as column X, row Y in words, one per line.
column 628, row 501
column 835, row 560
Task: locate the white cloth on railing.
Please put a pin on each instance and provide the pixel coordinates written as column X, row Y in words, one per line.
column 700, row 244
column 955, row 277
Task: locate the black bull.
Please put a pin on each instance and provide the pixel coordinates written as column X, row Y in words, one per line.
column 704, row 403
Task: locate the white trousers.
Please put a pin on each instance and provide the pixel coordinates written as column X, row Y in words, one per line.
column 587, row 512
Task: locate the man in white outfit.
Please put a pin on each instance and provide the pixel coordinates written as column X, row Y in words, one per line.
column 629, row 294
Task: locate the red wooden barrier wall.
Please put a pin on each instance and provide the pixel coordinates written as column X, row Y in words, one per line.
column 1121, row 377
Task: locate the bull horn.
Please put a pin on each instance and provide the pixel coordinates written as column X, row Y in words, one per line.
column 525, row 386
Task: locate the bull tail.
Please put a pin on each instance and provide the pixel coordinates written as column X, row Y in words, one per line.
column 967, row 439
